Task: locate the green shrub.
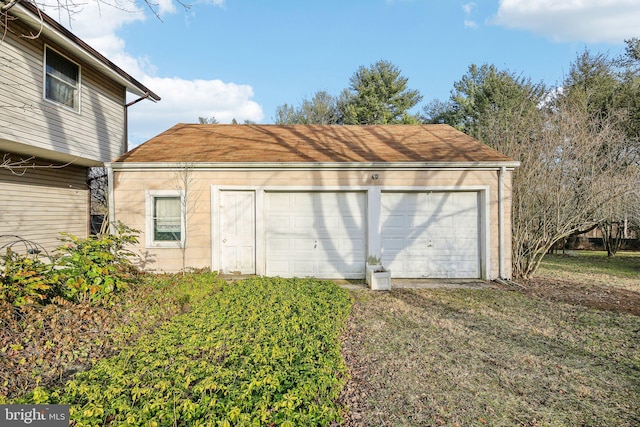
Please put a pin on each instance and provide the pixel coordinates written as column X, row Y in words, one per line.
column 97, row 267
column 82, row 270
column 26, row 280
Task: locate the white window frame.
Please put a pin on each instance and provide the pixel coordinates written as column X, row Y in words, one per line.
column 75, row 108
column 150, row 196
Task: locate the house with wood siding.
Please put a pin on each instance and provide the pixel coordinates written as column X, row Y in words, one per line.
column 63, row 110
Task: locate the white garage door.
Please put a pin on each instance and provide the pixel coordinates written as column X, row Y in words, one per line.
column 315, row 234
column 433, row 234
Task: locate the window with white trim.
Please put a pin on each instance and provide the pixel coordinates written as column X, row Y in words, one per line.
column 62, row 80
column 165, row 218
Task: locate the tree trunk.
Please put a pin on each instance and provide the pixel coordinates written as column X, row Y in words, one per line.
column 611, row 236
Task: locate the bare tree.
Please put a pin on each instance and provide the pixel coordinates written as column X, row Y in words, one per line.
column 188, row 203
column 618, row 219
column 571, row 168
column 98, row 185
column 577, row 161
column 72, row 7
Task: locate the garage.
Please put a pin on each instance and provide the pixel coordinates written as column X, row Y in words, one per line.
column 319, row 200
column 320, row 234
column 431, row 234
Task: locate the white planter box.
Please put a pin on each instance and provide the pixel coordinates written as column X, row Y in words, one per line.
column 378, row 278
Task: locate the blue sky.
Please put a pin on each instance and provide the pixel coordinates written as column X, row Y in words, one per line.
column 242, row 58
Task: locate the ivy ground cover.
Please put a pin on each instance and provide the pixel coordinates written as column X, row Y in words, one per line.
column 263, row 351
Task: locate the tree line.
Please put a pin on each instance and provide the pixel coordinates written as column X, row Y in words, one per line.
column 578, row 143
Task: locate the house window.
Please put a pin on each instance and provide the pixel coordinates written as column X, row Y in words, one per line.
column 165, row 219
column 62, row 80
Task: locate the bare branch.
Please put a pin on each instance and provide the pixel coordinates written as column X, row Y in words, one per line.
column 19, row 167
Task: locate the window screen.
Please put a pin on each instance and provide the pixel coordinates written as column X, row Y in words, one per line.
column 61, row 80
column 166, row 219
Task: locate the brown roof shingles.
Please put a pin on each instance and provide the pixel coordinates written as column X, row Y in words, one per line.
column 194, row 143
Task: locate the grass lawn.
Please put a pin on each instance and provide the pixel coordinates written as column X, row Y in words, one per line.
column 594, row 267
column 497, row 357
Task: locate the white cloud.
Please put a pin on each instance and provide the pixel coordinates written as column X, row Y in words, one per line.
column 468, row 9
column 590, row 21
column 182, row 100
column 166, row 6
column 470, row 24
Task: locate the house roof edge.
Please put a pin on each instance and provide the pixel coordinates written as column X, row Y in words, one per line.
column 116, row 165
column 32, row 15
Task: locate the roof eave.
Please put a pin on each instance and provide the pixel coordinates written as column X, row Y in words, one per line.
column 35, row 18
column 314, row 166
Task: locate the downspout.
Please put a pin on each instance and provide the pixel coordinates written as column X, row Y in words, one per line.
column 143, row 97
column 111, row 199
column 501, row 173
column 126, row 119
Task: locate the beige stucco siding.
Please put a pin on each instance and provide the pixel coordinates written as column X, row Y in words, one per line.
column 93, row 134
column 130, row 187
column 42, row 203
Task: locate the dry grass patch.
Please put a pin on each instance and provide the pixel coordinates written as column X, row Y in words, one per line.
column 590, row 279
column 594, row 267
column 499, row 358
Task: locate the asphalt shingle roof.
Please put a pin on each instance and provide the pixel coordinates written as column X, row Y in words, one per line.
column 194, row 143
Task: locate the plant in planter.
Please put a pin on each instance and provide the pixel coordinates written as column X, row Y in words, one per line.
column 378, row 278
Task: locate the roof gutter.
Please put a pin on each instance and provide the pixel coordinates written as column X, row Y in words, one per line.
column 508, row 165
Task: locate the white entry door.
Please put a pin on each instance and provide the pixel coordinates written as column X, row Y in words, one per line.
column 320, row 234
column 434, row 234
column 237, row 232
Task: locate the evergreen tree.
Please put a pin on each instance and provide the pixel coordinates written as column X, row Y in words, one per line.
column 378, row 94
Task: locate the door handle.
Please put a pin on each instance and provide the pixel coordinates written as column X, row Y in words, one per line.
column 224, row 240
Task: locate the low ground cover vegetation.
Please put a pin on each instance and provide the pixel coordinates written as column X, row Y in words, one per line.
column 192, row 349
column 44, row 345
column 257, row 352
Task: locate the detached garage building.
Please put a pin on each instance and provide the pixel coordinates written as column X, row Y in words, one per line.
column 317, row 200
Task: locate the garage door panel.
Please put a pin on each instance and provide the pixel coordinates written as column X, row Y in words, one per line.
column 303, row 221
column 392, row 245
column 302, row 268
column 354, row 246
column 327, row 268
column 302, row 244
column 431, row 234
column 280, row 221
column 353, row 268
column 393, row 222
column 327, row 238
column 278, row 202
column 278, row 245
